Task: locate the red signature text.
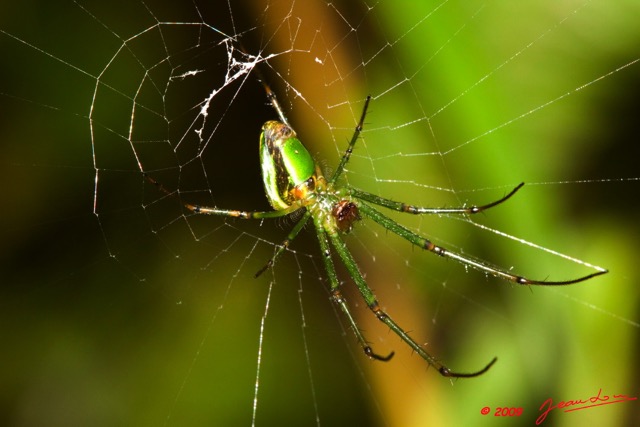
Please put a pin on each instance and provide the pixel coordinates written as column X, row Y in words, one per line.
column 575, row 405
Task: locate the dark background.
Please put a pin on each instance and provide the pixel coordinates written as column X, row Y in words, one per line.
column 132, row 312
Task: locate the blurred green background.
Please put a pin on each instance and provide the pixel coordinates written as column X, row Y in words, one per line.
column 131, row 313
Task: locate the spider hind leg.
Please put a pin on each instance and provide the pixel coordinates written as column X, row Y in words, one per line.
column 372, row 303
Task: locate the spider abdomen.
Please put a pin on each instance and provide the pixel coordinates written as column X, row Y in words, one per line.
column 288, row 170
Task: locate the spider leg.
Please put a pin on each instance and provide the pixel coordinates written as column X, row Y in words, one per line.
column 382, row 316
column 417, row 210
column 273, row 100
column 204, row 210
column 424, row 243
column 285, row 244
column 352, row 143
column 337, row 297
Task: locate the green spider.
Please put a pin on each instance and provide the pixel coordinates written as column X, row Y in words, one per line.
column 293, row 181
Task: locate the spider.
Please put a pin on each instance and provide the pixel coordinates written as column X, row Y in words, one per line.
column 294, row 182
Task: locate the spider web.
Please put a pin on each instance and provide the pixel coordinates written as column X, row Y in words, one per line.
column 122, row 307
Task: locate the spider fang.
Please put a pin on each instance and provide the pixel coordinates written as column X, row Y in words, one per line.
column 345, row 213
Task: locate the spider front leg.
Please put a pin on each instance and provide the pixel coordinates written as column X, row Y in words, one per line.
column 372, row 303
column 417, row 210
column 424, row 243
column 356, row 134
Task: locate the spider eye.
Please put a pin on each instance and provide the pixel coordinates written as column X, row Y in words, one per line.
column 311, row 183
